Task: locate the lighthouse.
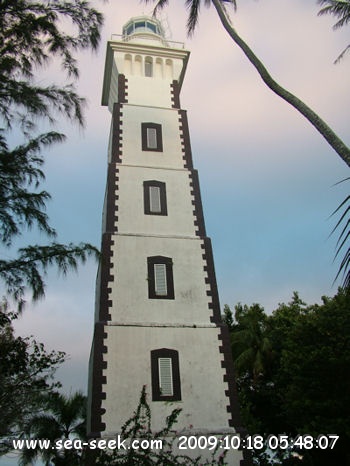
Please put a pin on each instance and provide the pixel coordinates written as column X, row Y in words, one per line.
column 157, row 317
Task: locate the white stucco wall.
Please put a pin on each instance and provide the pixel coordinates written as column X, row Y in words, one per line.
column 149, row 91
column 132, row 153
column 129, row 58
column 131, row 217
column 129, row 290
column 129, row 368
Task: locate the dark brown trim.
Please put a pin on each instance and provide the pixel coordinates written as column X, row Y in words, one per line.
column 107, row 276
column 231, row 393
column 185, row 138
column 174, row 355
column 98, row 380
column 111, row 198
column 169, row 277
column 116, row 155
column 197, row 203
column 144, row 144
column 227, row 364
column 146, row 197
column 122, row 89
column 214, row 303
column 99, row 349
column 175, row 94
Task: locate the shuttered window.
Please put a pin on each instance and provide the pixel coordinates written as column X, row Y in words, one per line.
column 165, row 376
column 154, row 193
column 154, row 199
column 165, row 372
column 160, row 278
column 151, row 136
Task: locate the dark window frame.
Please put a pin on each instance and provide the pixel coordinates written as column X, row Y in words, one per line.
column 156, row 391
column 146, row 197
column 168, row 262
column 159, row 141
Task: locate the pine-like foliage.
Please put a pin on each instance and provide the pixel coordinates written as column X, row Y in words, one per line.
column 33, row 261
column 32, row 35
column 20, row 169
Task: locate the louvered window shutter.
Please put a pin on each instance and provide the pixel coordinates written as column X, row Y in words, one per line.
column 154, row 199
column 165, row 376
column 161, row 288
column 151, row 138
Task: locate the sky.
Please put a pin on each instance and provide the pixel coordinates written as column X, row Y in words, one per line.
column 267, row 177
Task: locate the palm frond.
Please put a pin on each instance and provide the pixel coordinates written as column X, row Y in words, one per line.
column 340, row 9
column 341, row 56
column 337, row 8
column 193, row 7
column 159, row 5
column 63, row 417
column 343, row 240
column 344, row 269
column 344, row 213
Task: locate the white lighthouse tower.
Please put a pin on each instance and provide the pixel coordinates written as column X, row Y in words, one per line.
column 157, row 320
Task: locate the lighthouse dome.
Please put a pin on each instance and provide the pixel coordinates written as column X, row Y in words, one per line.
column 144, row 29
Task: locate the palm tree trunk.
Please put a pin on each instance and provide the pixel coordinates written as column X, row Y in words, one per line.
column 335, row 142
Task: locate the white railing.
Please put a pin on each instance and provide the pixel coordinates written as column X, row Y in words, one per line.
column 148, row 36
